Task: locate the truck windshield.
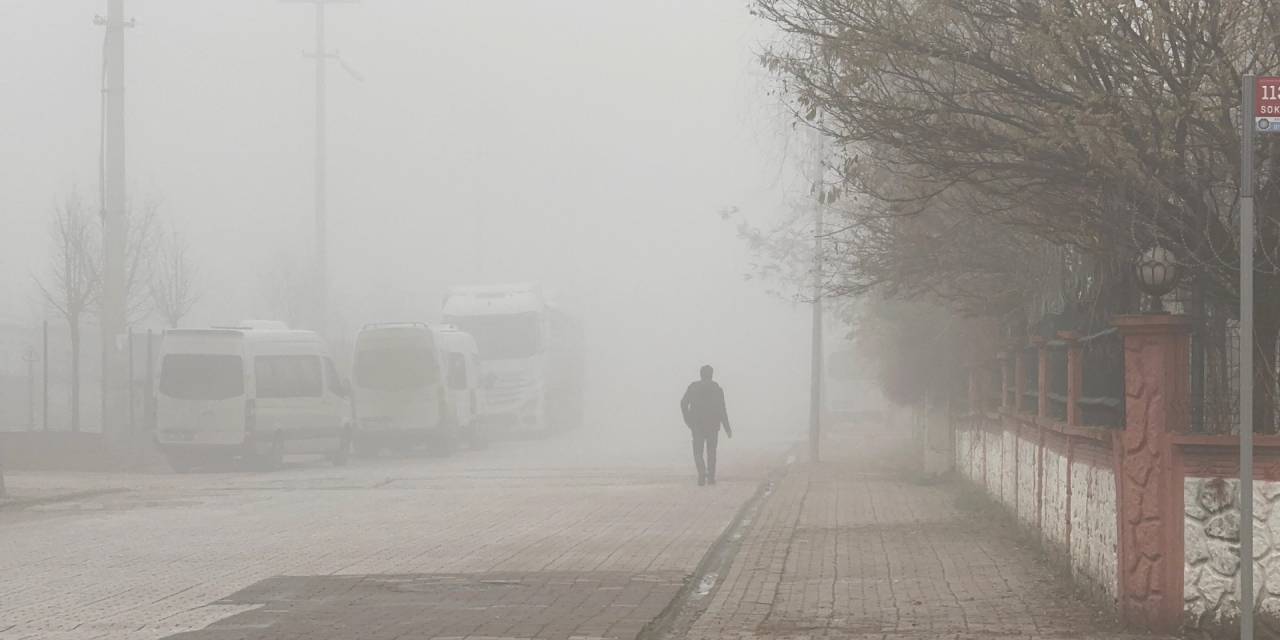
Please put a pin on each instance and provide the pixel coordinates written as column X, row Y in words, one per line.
column 201, row 376
column 396, row 369
column 501, row 337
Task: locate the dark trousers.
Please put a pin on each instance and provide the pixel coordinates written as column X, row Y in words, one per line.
column 704, row 440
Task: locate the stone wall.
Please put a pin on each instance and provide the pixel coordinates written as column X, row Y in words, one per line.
column 1028, row 482
column 993, row 450
column 1009, row 468
column 1093, row 523
column 968, row 458
column 939, row 458
column 1211, row 548
column 1066, row 500
column 1053, row 508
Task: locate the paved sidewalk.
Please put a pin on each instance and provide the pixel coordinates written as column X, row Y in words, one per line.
column 853, row 548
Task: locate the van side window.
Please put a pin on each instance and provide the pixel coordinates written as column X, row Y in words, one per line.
column 198, row 376
column 457, row 371
column 288, row 376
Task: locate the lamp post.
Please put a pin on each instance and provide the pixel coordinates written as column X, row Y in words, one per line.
column 1158, row 273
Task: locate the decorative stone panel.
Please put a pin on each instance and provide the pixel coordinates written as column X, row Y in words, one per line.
column 964, row 453
column 1053, row 516
column 1009, row 468
column 1028, row 473
column 994, row 441
column 1093, row 540
column 1211, row 551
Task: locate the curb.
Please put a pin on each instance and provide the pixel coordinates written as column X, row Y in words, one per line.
column 22, row 503
column 718, row 557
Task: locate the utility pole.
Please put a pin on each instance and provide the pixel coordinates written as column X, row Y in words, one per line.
column 114, row 224
column 816, row 359
column 321, row 56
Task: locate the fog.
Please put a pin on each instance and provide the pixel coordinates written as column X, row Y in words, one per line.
column 588, row 146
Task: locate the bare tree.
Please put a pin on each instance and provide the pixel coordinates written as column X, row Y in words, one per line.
column 141, row 249
column 73, row 283
column 174, row 288
column 287, row 290
column 1097, row 128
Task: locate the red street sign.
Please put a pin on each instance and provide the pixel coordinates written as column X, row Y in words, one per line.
column 1266, row 104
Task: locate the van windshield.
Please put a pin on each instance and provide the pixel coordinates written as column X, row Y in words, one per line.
column 191, row 376
column 502, row 337
column 396, row 369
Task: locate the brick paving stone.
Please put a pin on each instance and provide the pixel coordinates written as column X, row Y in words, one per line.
column 619, row 518
column 852, row 548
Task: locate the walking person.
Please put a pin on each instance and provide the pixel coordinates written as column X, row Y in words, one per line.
column 704, row 413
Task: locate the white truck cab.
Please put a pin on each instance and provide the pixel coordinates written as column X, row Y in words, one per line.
column 531, row 355
column 251, row 394
column 509, row 323
column 415, row 384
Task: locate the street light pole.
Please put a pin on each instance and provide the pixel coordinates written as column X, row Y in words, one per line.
column 1247, row 124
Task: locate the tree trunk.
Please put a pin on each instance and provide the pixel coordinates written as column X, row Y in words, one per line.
column 1264, row 377
column 75, row 374
column 1266, row 332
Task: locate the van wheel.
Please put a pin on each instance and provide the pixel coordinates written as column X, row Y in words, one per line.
column 343, row 454
column 273, row 459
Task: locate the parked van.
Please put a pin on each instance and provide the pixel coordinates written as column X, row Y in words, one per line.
column 415, row 384
column 251, row 394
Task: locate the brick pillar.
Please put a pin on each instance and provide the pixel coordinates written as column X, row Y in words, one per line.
column 1156, row 381
column 1075, row 375
column 1042, row 376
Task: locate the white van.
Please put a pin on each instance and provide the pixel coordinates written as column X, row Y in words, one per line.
column 415, row 384
column 253, row 394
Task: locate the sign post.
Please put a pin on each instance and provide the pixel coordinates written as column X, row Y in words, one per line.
column 1261, row 98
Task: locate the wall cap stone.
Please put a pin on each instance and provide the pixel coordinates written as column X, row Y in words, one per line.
column 1152, row 323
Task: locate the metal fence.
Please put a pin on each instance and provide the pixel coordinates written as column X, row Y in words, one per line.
column 1102, row 390
column 1101, row 401
column 1057, row 395
column 1215, row 379
column 1029, row 357
column 36, row 378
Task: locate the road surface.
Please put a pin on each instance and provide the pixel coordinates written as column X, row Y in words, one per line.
column 576, row 536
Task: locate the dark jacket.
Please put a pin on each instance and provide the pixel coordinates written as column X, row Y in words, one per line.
column 703, row 407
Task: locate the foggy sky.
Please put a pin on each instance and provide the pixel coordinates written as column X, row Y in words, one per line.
column 587, row 145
